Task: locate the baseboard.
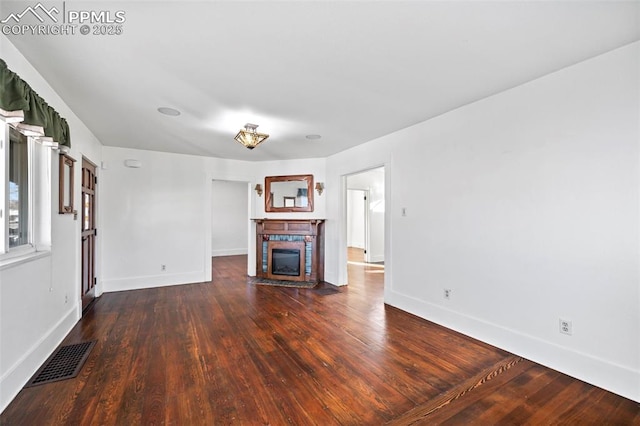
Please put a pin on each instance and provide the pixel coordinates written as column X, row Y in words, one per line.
column 17, row 376
column 598, row 372
column 152, row 281
column 228, row 252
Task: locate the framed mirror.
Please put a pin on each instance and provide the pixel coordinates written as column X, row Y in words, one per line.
column 288, row 193
column 65, row 199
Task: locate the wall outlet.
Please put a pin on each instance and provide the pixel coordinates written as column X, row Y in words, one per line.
column 163, row 268
column 66, row 298
column 566, row 327
column 447, row 293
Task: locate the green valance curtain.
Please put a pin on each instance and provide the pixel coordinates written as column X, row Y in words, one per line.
column 20, row 103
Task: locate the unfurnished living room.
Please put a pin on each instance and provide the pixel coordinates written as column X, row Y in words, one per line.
column 320, row 212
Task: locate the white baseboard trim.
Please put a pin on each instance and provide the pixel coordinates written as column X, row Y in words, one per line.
column 17, row 376
column 229, row 252
column 151, row 281
column 615, row 378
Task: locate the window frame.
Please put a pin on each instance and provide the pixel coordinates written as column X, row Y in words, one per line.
column 38, row 198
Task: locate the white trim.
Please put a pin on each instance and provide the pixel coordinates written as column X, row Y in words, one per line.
column 151, row 281
column 11, row 116
column 15, row 258
column 31, row 173
column 229, row 252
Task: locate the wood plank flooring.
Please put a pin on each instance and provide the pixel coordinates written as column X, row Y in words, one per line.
column 228, row 352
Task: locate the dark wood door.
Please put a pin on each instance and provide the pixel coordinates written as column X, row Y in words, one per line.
column 89, row 232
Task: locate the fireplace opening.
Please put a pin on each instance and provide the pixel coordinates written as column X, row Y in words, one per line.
column 285, row 262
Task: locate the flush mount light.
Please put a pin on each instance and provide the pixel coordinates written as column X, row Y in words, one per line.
column 169, row 111
column 313, row 137
column 249, row 137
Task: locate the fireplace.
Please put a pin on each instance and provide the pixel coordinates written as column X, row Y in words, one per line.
column 290, row 250
column 285, row 259
column 285, row 262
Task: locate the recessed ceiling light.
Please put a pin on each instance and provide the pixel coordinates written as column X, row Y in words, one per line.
column 312, row 137
column 169, row 111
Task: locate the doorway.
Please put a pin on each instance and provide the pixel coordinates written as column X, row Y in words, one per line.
column 366, row 216
column 230, row 203
column 89, row 232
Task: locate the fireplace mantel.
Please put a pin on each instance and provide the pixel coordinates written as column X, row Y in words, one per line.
column 306, row 236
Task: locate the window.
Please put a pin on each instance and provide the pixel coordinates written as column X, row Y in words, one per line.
column 18, row 209
column 25, row 193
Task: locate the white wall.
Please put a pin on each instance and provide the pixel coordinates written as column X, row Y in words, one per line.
column 230, row 230
column 153, row 216
column 528, row 209
column 160, row 214
column 34, row 316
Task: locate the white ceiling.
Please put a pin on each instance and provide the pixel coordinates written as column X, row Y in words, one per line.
column 349, row 71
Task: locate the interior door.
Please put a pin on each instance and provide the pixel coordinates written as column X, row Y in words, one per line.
column 89, row 232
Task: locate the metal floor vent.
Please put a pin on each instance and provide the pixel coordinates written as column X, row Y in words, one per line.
column 65, row 363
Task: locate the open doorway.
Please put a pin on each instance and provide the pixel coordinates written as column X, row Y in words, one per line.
column 229, row 218
column 365, row 218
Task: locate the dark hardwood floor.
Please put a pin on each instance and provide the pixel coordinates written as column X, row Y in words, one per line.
column 229, row 352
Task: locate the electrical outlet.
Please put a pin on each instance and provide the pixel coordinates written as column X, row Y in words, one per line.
column 447, row 293
column 163, row 268
column 566, row 327
column 66, row 298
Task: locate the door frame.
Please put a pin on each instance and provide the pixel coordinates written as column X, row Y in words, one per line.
column 343, row 275
column 88, row 297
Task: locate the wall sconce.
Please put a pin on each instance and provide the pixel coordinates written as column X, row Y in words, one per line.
column 319, row 187
column 258, row 189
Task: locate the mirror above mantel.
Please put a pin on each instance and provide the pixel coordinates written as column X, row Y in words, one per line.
column 287, row 194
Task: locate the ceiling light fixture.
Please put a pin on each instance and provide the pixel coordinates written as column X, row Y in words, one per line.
column 169, row 111
column 249, row 137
